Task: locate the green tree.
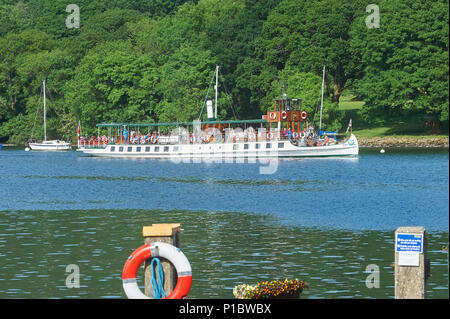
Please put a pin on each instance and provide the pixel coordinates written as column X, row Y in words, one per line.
column 30, row 58
column 113, row 83
column 183, row 85
column 404, row 62
column 308, row 35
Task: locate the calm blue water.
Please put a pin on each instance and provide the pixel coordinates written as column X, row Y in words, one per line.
column 375, row 191
column 319, row 220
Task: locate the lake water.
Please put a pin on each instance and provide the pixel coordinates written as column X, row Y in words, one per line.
column 319, row 220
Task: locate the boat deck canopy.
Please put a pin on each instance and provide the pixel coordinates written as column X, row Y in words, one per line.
column 180, row 123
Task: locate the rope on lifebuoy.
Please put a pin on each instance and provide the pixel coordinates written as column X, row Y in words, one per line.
column 158, row 249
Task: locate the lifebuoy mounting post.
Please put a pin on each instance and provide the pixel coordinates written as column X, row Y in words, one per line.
column 166, row 233
column 149, row 251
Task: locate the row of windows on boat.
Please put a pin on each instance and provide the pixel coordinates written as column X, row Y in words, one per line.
column 147, row 149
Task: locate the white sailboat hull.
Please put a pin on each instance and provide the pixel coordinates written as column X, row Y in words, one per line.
column 260, row 149
column 51, row 146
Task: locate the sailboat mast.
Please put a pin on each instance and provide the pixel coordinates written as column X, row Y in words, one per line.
column 45, row 114
column 216, row 88
column 321, row 100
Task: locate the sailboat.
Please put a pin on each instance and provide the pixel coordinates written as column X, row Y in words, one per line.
column 49, row 145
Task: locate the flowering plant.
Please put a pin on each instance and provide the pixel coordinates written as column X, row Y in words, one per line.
column 272, row 289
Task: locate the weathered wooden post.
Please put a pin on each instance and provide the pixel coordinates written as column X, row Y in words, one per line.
column 412, row 268
column 166, row 233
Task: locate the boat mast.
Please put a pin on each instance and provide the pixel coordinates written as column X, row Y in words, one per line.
column 45, row 111
column 321, row 101
column 216, row 88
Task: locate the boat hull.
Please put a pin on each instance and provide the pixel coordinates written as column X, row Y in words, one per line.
column 58, row 146
column 260, row 149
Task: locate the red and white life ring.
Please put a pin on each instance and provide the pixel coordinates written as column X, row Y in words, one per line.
column 303, row 115
column 284, row 115
column 269, row 135
column 157, row 249
column 272, row 115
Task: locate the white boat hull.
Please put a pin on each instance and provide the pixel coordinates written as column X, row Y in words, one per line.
column 51, row 146
column 266, row 149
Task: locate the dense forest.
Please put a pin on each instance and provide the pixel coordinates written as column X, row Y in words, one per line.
column 153, row 60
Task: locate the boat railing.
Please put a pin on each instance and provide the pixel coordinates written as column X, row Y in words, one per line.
column 239, row 137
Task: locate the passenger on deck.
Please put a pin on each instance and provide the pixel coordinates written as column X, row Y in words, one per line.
column 289, row 134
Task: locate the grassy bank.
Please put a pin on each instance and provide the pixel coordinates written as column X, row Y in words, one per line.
column 406, row 132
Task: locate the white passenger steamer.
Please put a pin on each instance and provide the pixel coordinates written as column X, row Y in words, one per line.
column 282, row 132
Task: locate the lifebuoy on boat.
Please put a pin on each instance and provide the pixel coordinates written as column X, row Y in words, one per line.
column 192, row 139
column 283, row 115
column 272, row 115
column 303, row 115
column 269, row 135
column 158, row 249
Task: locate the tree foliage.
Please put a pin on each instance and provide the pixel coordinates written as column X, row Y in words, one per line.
column 152, row 60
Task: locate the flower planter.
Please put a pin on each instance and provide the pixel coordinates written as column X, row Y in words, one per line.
column 287, row 289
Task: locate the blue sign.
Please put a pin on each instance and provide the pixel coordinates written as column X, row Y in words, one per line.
column 409, row 242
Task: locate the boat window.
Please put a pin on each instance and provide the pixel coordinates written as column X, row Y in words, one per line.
column 268, row 145
column 166, row 148
column 121, row 149
column 138, row 149
column 175, row 148
column 156, row 148
column 130, row 148
column 245, row 146
column 147, row 148
column 113, row 148
column 257, row 146
column 280, row 145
